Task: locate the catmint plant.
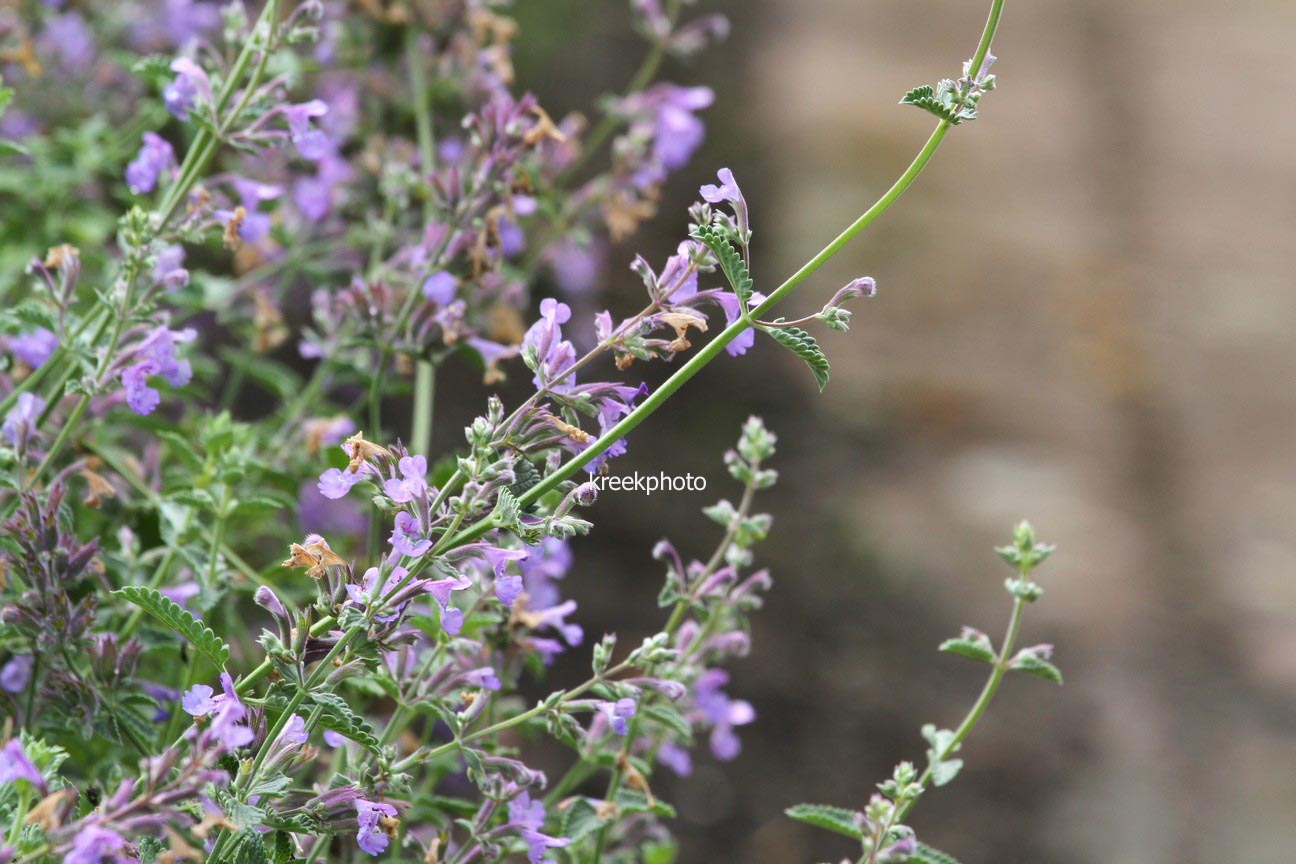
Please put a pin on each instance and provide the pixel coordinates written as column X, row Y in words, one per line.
column 248, row 618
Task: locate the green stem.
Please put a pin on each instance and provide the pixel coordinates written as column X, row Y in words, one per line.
column 979, row 707
column 741, row 325
column 424, row 404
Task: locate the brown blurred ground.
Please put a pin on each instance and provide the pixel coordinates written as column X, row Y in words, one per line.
column 1084, row 317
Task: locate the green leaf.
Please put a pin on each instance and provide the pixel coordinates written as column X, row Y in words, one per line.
column 927, row 855
column 180, row 620
column 977, row 647
column 581, row 820
column 671, row 719
column 283, row 847
column 339, row 717
column 802, row 344
column 251, row 848
column 1037, row 666
column 838, row 819
column 944, row 101
column 731, row 263
column 631, row 801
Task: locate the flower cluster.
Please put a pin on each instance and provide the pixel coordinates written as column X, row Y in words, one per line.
column 327, row 207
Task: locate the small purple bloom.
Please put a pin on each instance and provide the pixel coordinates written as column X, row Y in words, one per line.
column 168, row 269
column 33, row 348
column 14, row 765
column 412, row 484
column 22, row 416
column 484, row 677
column 16, row 673
column 197, row 700
column 70, row 38
column 728, row 191
column 440, row 287
column 294, row 732
column 95, row 844
column 406, row 537
column 508, row 589
column 337, row 482
column 721, row 712
column 333, row 739
column 528, row 817
column 544, row 349
column 155, row 158
column 184, row 91
column 311, row 143
column 618, row 713
column 370, row 835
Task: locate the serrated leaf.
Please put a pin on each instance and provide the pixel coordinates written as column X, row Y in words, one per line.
column 838, row 819
column 802, row 344
column 972, row 648
column 1038, row 667
column 180, row 620
column 672, row 719
column 283, row 848
column 580, row 820
column 944, row 101
column 731, row 263
column 251, row 848
column 927, row 855
column 339, row 717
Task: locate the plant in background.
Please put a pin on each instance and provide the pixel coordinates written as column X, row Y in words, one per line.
column 359, row 191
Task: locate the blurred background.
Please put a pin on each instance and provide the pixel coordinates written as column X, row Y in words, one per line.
column 1083, row 318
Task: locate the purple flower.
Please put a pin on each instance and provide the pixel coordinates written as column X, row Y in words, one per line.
column 576, row 268
column 732, row 310
column 68, row 36
column 95, row 844
column 311, row 143
column 544, row 564
column 168, row 269
column 294, row 732
column 16, row 673
column 496, row 557
column 406, row 537
column 14, row 765
column 158, row 357
column 677, row 132
column 22, row 416
column 184, row 91
column 484, row 677
column 337, row 482
column 728, row 191
column 371, row 836
column 440, row 287
column 33, row 348
column 333, row 739
column 441, row 589
column 721, row 712
column 676, row 758
column 492, row 354
column 618, row 713
column 313, row 195
column 411, row 484
column 556, row 617
column 528, row 818
column 224, row 712
column 154, row 158
column 316, row 515
column 197, row 701
column 544, row 349
column 508, row 589
column 254, row 225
